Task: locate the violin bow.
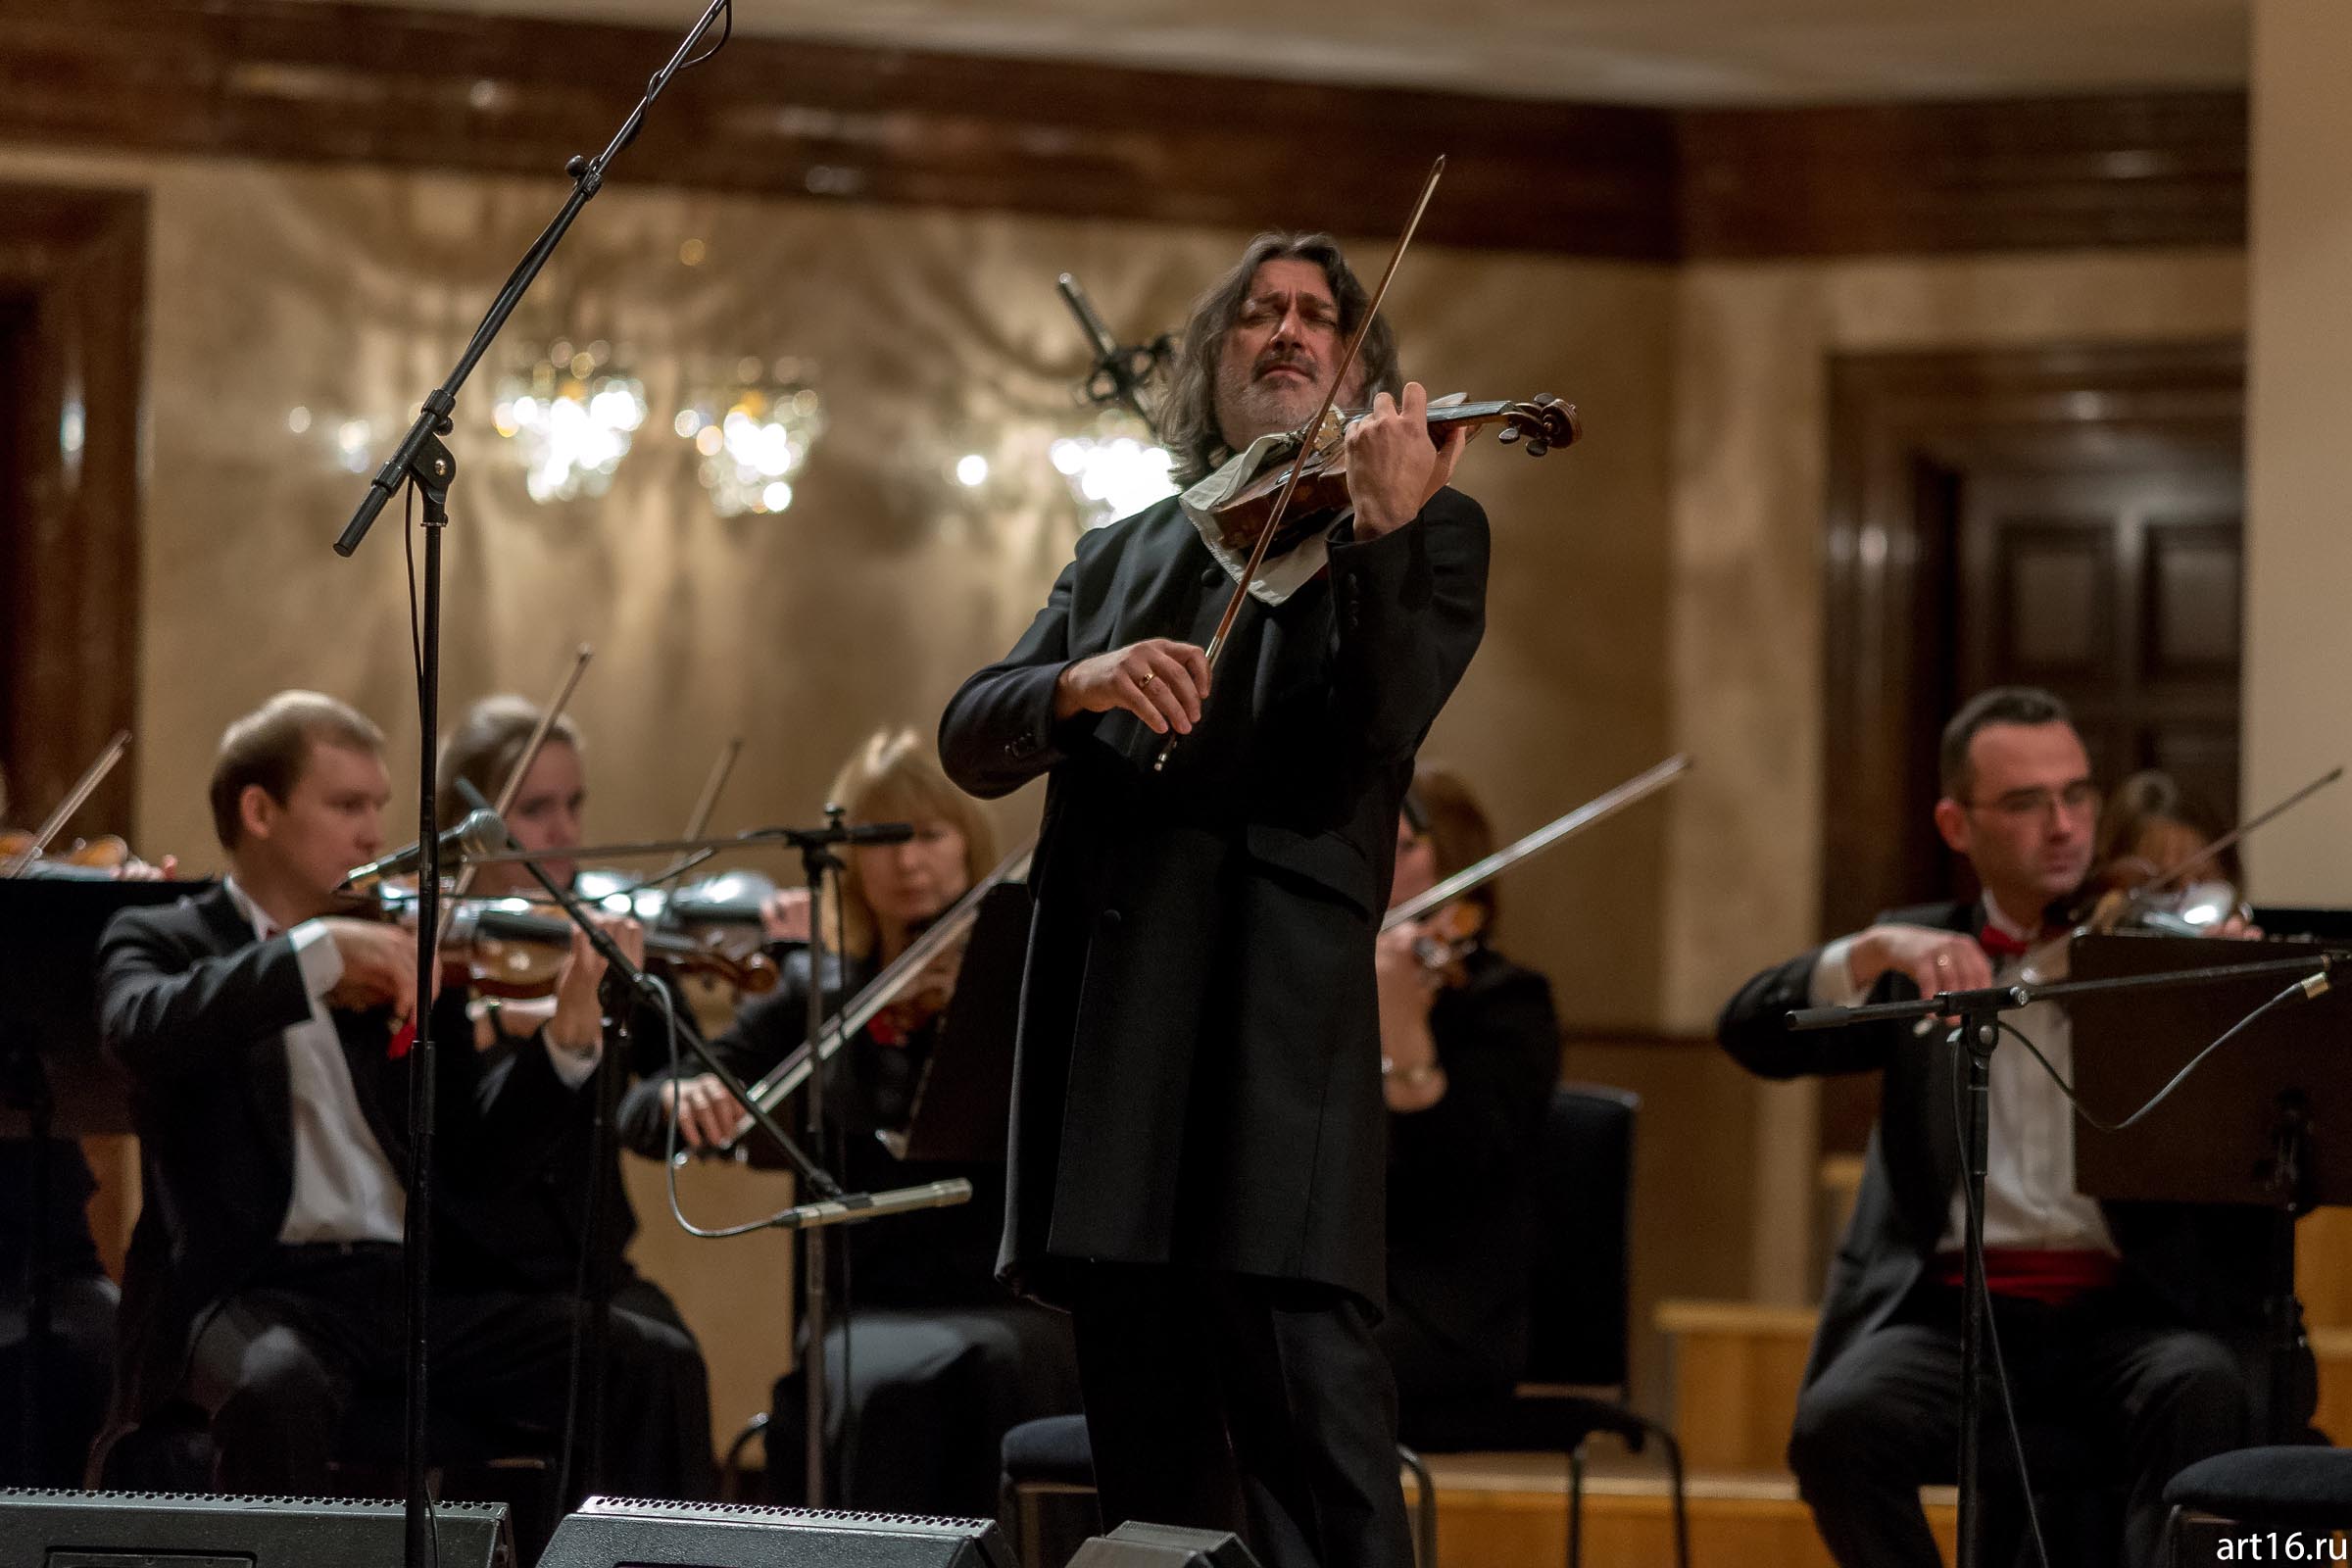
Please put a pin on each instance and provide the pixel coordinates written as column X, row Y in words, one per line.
column 880, row 992
column 699, row 818
column 2196, row 857
column 1593, row 812
column 1300, row 440
column 2041, row 953
column 91, row 777
column 512, row 786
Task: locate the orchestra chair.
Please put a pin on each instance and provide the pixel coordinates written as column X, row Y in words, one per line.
column 2255, row 1492
column 1579, row 1370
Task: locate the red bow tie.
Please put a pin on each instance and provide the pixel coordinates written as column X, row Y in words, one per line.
column 1999, row 943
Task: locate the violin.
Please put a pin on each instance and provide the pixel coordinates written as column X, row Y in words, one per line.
column 513, row 953
column 500, row 948
column 1544, row 423
column 1449, row 934
column 102, row 859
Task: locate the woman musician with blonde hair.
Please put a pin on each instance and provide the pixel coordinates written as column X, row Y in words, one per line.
column 940, row 1360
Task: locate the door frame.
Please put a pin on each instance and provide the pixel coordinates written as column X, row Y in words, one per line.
column 70, row 577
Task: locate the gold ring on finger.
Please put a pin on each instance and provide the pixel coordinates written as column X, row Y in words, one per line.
column 1147, row 677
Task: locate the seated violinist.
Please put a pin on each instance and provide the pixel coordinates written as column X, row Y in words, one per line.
column 530, row 1235
column 2138, row 1324
column 2155, row 831
column 940, row 1360
column 261, row 1028
column 1470, row 1048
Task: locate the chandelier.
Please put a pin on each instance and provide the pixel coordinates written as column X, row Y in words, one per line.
column 571, row 415
column 754, row 436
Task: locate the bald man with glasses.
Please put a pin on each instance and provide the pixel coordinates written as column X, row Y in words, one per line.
column 2139, row 1324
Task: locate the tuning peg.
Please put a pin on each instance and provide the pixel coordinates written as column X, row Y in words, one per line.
column 1510, row 433
column 1537, row 448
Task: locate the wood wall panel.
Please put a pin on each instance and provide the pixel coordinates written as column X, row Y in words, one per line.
column 274, row 78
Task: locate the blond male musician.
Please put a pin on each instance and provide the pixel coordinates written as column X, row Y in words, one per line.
column 2138, row 1324
column 260, row 1027
column 1199, row 1134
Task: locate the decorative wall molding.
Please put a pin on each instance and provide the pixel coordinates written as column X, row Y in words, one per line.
column 321, row 83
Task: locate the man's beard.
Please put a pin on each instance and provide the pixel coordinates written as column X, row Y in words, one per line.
column 1249, row 407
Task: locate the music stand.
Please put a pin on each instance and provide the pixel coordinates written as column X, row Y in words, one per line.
column 964, row 1096
column 2243, row 1132
column 55, row 1083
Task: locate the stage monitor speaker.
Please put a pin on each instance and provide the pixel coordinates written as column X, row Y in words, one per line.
column 611, row 1532
column 1134, row 1544
column 188, row 1530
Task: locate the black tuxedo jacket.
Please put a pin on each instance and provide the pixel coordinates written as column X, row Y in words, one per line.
column 2204, row 1265
column 1197, row 1076
column 196, row 1010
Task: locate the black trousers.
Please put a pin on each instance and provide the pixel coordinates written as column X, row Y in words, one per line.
column 1229, row 1401
column 74, row 1363
column 1884, row 1419
column 277, row 1367
column 918, row 1405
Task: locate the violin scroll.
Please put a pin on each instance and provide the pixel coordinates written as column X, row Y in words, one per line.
column 1545, row 420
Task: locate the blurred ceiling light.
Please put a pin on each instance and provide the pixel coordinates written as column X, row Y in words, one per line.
column 754, row 437
column 1113, row 470
column 571, row 415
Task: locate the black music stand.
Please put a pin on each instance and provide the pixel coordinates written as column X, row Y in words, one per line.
column 2243, row 1132
column 55, row 1083
column 964, row 1097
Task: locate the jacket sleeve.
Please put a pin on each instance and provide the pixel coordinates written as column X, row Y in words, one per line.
column 166, row 1017
column 1753, row 1027
column 998, row 731
column 1408, row 610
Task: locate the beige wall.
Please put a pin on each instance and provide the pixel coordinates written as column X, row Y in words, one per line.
column 2298, row 635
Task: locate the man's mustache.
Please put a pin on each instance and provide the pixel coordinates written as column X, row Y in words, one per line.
column 1267, row 364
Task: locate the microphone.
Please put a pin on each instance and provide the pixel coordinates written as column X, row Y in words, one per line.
column 481, row 833
column 852, row 1207
column 1118, row 374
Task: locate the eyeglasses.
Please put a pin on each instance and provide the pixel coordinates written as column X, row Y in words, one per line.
column 2078, row 799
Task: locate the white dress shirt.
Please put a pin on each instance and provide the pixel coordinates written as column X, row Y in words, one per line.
column 345, row 1189
column 2029, row 1197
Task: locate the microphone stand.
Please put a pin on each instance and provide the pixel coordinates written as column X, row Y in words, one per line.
column 832, row 1205
column 423, row 460
column 1978, row 1031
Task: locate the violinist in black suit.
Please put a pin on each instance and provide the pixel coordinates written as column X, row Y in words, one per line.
column 1199, row 1134
column 2140, row 1324
column 532, row 1233
column 265, row 1037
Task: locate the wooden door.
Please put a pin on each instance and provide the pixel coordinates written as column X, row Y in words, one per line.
column 2118, row 590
